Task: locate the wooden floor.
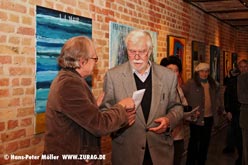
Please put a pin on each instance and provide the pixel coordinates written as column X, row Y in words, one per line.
column 215, row 155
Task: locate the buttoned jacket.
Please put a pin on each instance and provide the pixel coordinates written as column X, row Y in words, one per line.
column 129, row 145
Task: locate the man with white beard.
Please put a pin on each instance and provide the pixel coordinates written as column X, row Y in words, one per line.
column 148, row 140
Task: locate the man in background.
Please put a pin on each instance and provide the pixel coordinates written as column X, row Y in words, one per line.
column 243, row 99
column 232, row 107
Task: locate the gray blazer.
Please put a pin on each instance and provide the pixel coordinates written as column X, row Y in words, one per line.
column 129, row 146
column 243, row 99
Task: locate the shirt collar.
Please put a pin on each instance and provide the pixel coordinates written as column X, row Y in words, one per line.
column 143, row 76
column 147, row 71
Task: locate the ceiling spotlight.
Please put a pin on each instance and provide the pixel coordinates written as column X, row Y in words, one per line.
column 244, row 2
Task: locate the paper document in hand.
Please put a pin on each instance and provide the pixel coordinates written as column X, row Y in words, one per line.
column 137, row 97
column 190, row 115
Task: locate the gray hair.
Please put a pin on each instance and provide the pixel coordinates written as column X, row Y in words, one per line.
column 74, row 49
column 135, row 35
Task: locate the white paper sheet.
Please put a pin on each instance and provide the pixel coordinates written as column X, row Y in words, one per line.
column 137, row 97
column 188, row 115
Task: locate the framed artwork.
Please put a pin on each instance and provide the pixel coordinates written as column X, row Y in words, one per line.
column 176, row 47
column 53, row 28
column 215, row 62
column 117, row 47
column 198, row 54
column 227, row 65
column 234, row 60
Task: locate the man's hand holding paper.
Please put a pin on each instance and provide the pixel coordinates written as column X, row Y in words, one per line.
column 137, row 97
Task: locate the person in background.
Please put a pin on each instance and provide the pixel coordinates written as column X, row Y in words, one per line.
column 174, row 63
column 243, row 99
column 232, row 107
column 243, row 65
column 74, row 122
column 201, row 91
column 148, row 141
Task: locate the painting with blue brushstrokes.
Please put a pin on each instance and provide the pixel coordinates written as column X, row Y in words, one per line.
column 215, row 62
column 117, row 47
column 53, row 28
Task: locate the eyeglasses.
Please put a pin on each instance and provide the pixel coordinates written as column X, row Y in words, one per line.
column 140, row 52
column 94, row 58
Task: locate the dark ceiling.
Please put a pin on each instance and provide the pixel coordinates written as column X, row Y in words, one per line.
column 232, row 12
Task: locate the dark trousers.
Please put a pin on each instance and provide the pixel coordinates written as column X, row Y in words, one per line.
column 237, row 135
column 178, row 151
column 230, row 144
column 245, row 148
column 199, row 142
column 244, row 127
column 147, row 157
column 234, row 135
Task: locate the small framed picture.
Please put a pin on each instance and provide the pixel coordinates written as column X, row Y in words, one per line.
column 215, row 62
column 227, row 65
column 198, row 54
column 176, row 47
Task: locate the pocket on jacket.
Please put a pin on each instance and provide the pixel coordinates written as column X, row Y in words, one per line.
column 167, row 139
column 119, row 139
column 164, row 99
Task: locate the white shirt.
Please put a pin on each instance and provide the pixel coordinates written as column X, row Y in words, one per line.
column 143, row 76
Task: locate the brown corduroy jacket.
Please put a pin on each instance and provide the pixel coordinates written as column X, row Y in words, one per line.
column 74, row 123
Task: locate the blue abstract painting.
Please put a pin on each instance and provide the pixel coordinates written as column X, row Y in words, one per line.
column 53, row 28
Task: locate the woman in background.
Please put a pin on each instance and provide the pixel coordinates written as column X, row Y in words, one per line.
column 201, row 91
column 174, row 63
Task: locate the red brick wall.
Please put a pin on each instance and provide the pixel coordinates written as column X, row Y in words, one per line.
column 17, row 53
column 241, row 44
